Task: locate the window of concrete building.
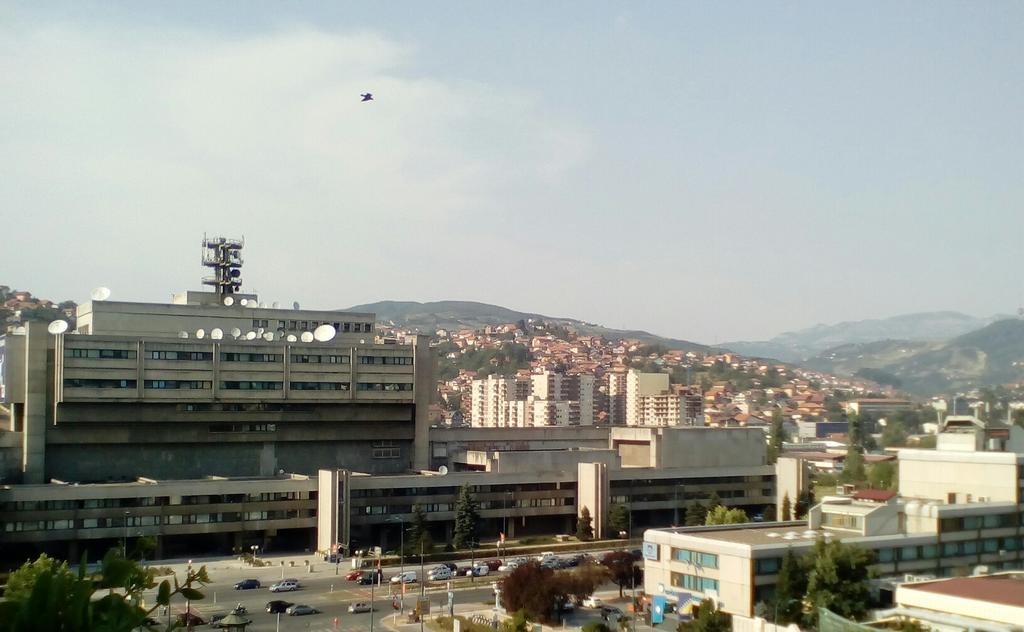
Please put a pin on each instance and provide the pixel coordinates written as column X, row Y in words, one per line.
column 768, row 565
column 99, row 383
column 250, row 357
column 950, row 549
column 1011, row 544
column 251, row 386
column 908, row 553
column 886, row 555
column 178, row 384
column 102, row 354
column 318, row 386
column 970, row 547
column 336, row 359
column 990, row 545
column 929, row 551
column 299, row 358
column 191, row 356
column 971, row 522
column 386, row 449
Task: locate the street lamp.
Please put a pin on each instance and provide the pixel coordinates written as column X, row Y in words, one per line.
column 255, row 548
column 124, row 538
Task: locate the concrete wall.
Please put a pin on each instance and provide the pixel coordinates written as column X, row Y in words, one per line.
column 934, row 474
column 592, row 493
column 792, row 478
column 548, row 460
column 915, row 596
column 10, row 456
column 692, row 447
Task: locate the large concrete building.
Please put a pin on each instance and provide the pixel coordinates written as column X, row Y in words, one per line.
column 651, row 401
column 127, row 396
column 959, row 509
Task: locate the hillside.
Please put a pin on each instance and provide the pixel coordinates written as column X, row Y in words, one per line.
column 991, row 355
column 806, row 343
column 429, row 317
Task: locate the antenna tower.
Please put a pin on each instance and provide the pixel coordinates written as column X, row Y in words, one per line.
column 224, row 256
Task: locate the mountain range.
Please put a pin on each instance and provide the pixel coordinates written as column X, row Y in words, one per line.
column 429, row 317
column 795, row 346
column 926, row 353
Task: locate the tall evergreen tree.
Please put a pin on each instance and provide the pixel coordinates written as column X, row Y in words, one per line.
column 837, row 579
column 777, row 437
column 696, row 514
column 789, row 589
column 419, row 533
column 585, row 526
column 853, row 467
column 787, row 508
column 803, row 504
column 466, row 519
column 618, row 520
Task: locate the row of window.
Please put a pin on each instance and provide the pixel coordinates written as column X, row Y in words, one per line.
column 250, row 385
column 842, row 521
column 386, row 449
column 243, row 427
column 193, row 356
column 318, row 386
column 75, row 382
column 694, row 582
column 106, row 354
column 145, row 521
column 309, row 325
column 231, row 356
column 383, row 386
column 147, row 501
column 972, row 523
column 179, row 384
column 401, row 360
column 706, row 560
column 301, row 358
column 949, row 549
column 377, row 510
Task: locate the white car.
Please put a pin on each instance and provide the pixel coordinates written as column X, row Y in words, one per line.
column 360, row 606
column 286, row 585
column 408, row 577
column 440, row 573
column 592, row 602
column 510, row 565
column 545, row 556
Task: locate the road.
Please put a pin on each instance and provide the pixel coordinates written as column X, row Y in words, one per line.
column 324, row 590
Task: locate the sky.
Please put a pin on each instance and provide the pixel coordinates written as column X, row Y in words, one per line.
column 706, row 171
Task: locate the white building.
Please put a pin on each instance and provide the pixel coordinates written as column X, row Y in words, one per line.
column 650, row 401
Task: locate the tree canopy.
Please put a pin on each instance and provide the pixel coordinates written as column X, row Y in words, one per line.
column 585, row 525
column 709, row 619
column 837, row 579
column 725, row 515
column 624, row 573
column 618, row 519
column 466, row 520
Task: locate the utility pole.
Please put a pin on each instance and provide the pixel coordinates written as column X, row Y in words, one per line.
column 124, row 538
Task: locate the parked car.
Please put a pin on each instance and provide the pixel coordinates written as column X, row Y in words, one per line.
column 360, row 606
column 407, row 577
column 492, row 564
column 301, row 609
column 354, row 575
column 610, row 613
column 368, row 578
column 546, row 555
column 247, row 584
column 477, row 571
column 439, row 574
column 592, row 602
column 510, row 565
column 452, row 566
column 551, row 562
column 285, row 585
column 278, row 606
column 463, row 571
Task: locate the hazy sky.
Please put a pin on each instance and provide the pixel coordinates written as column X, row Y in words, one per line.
column 709, row 171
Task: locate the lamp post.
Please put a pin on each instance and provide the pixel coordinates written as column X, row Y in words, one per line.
column 188, row 602
column 124, row 538
column 255, row 548
column 632, row 572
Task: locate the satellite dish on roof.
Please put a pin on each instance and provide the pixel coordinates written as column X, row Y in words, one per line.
column 100, row 294
column 259, row 331
column 250, row 335
column 200, row 334
column 263, row 306
column 325, row 333
column 275, row 305
column 183, row 334
column 269, row 336
column 244, row 302
column 295, row 305
column 229, row 301
column 291, row 338
column 307, row 336
column 442, row 470
column 216, row 333
column 57, row 327
column 236, row 332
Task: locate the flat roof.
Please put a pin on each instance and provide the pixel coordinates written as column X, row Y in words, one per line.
column 1005, row 588
column 764, row 533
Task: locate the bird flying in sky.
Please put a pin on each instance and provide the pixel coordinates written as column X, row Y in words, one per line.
column 367, row 96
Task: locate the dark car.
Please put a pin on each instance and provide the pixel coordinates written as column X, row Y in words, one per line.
column 492, row 564
column 610, row 612
column 368, row 578
column 190, row 618
column 637, row 554
column 278, row 606
column 452, row 566
column 247, row 584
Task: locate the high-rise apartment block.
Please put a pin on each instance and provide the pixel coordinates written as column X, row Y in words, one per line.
column 548, row 398
column 650, row 401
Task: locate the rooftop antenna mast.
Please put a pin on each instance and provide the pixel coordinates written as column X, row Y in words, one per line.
column 224, row 256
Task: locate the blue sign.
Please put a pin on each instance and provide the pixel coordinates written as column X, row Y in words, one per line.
column 651, row 550
column 658, row 603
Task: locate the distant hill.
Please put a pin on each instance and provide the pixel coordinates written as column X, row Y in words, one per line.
column 990, row 355
column 798, row 345
column 429, row 317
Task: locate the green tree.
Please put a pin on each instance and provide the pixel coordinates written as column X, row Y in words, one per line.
column 837, row 579
column 769, row 514
column 596, row 626
column 804, row 502
column 618, row 520
column 714, row 500
column 61, row 600
column 894, row 434
column 789, row 589
column 787, row 508
column 853, row 467
column 725, row 515
column 585, row 526
column 534, row 590
column 777, row 436
column 419, row 533
column 21, row 581
column 696, row 514
column 882, row 475
column 466, row 520
column 709, row 619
